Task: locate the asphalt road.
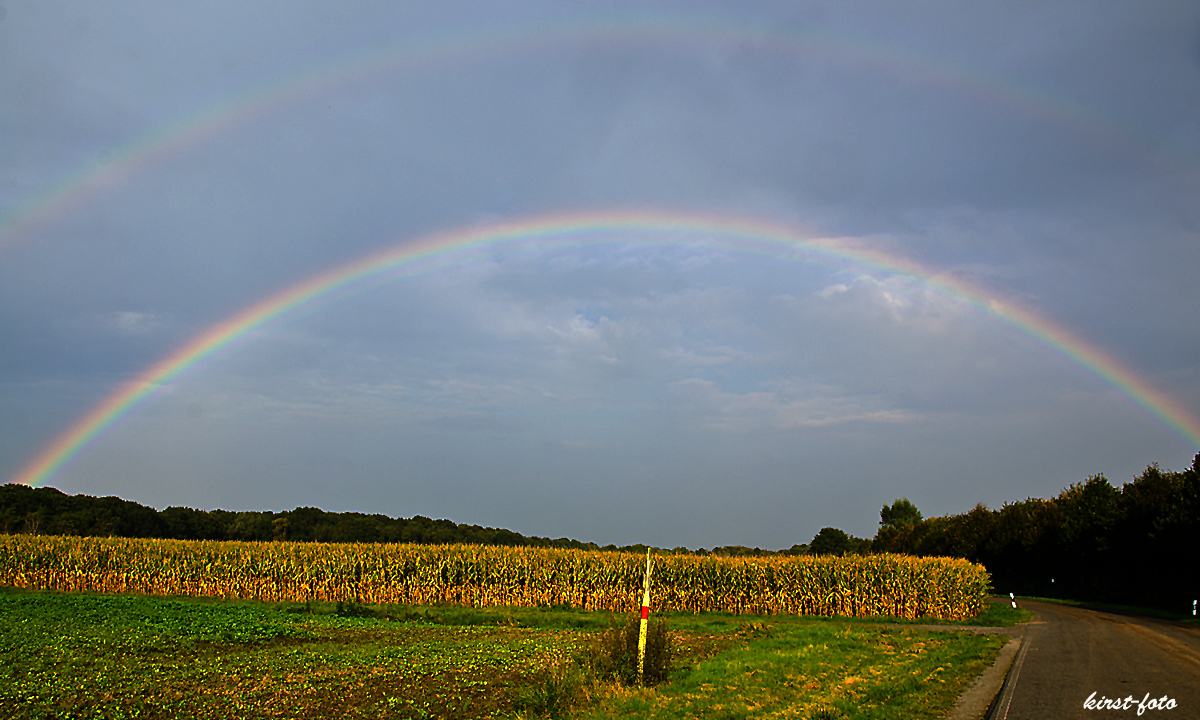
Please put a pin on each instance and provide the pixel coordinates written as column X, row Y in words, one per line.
column 1070, row 653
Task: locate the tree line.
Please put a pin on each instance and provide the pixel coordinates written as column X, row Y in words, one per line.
column 49, row 511
column 1138, row 544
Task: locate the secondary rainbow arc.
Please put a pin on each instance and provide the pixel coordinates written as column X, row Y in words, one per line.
column 126, row 161
column 441, row 249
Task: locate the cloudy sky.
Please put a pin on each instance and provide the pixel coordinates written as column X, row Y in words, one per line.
column 670, row 374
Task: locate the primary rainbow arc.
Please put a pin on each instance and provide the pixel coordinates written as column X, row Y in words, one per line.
column 439, row 250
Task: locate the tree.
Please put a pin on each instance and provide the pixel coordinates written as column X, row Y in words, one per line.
column 831, row 541
column 902, row 512
column 1087, row 515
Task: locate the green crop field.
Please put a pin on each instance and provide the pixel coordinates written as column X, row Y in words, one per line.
column 82, row 655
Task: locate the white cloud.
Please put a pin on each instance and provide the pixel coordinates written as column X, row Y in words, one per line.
column 129, row 322
column 604, row 340
column 920, row 307
column 706, row 356
column 782, row 405
column 831, row 290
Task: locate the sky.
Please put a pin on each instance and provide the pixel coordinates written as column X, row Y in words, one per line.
column 677, row 273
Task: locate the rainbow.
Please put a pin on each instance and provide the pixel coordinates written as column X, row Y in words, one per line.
column 125, row 162
column 541, row 233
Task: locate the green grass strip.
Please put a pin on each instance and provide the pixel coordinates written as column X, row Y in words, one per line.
column 825, row 670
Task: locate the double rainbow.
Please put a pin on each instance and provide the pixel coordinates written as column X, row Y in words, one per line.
column 457, row 246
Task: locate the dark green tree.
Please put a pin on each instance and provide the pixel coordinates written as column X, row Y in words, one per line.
column 1086, row 516
column 1158, row 522
column 831, row 541
column 901, row 512
column 1021, row 550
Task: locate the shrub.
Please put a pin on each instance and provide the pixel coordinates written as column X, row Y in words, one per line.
column 614, row 655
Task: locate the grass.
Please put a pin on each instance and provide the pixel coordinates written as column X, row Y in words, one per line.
column 802, row 670
column 804, row 667
column 109, row 657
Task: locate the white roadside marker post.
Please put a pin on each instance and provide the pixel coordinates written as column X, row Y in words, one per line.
column 645, row 617
column 1193, row 608
column 1013, row 598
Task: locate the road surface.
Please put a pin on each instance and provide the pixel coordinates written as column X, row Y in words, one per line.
column 1071, row 655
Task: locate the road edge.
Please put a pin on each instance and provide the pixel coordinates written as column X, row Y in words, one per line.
column 977, row 702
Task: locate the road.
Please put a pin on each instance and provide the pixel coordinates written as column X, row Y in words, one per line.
column 1070, row 653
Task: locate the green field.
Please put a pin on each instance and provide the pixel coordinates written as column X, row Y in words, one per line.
column 96, row 656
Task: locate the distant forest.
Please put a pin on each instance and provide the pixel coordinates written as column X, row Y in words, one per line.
column 49, row 511
column 1137, row 544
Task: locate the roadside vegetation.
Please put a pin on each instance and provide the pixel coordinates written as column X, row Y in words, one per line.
column 80, row 655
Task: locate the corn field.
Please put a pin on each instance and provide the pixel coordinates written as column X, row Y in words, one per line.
column 478, row 575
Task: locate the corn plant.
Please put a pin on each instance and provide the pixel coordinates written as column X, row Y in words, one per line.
column 482, row 576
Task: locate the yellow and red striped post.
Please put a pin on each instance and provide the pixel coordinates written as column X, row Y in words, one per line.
column 645, row 617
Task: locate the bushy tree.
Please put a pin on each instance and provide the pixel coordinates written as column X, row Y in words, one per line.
column 900, row 513
column 831, row 541
column 898, row 525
